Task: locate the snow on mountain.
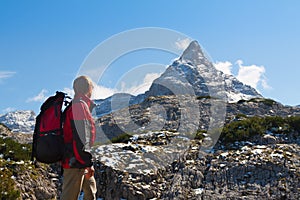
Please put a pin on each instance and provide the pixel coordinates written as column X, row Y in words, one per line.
column 194, row 74
column 19, row 121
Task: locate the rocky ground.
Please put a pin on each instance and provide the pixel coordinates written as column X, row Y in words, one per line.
column 165, row 165
column 37, row 182
column 245, row 171
column 32, row 181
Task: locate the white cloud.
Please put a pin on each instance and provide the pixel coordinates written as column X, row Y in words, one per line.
column 251, row 75
column 41, row 97
column 69, row 91
column 143, row 87
column 225, row 67
column 101, row 92
column 239, row 62
column 6, row 74
column 149, row 78
column 183, row 44
column 264, row 83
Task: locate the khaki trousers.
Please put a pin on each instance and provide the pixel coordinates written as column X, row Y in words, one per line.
column 74, row 182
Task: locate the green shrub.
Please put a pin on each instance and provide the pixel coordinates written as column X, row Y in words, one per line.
column 204, row 97
column 10, row 149
column 241, row 101
column 255, row 100
column 200, row 134
column 243, row 129
column 7, row 184
column 14, row 150
column 123, row 138
column 269, row 102
column 294, row 123
column 278, row 125
column 246, row 128
column 240, row 116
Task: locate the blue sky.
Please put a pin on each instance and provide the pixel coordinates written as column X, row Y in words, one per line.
column 44, row 43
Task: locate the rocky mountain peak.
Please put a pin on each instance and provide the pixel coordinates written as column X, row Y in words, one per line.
column 193, row 71
column 193, row 53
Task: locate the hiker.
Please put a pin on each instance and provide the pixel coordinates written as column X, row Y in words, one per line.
column 79, row 135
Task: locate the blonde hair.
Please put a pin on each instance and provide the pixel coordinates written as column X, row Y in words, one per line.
column 83, row 85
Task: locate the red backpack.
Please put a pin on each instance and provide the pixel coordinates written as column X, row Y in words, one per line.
column 48, row 142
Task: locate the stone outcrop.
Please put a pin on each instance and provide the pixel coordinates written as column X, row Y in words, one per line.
column 245, row 171
column 38, row 182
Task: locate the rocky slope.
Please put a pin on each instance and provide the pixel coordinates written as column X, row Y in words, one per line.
column 21, row 179
column 169, row 165
column 166, row 113
column 142, row 169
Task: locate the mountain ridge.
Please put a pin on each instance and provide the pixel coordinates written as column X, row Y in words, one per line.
column 193, row 74
column 19, row 121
